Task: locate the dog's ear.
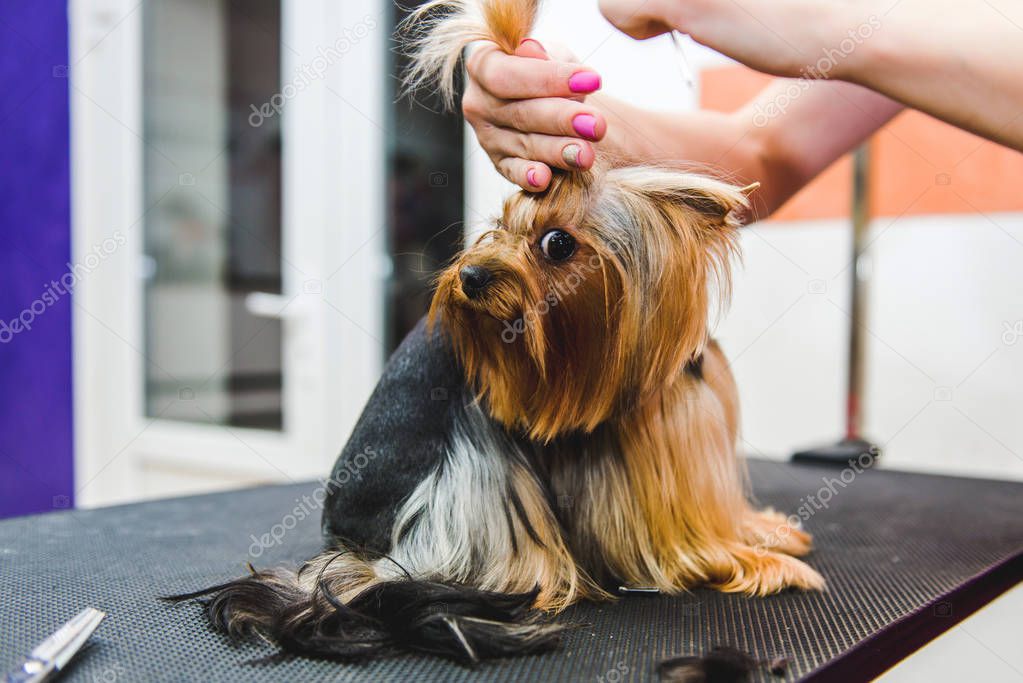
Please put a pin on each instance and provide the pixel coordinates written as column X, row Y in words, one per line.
column 684, row 229
column 713, row 200
column 716, row 200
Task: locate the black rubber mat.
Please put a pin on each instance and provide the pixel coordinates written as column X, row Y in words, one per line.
column 906, row 556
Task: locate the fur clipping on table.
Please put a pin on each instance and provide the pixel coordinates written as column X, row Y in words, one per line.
column 723, row 664
column 459, row 622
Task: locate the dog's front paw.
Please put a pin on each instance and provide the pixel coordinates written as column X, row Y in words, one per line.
column 775, row 572
column 770, row 530
column 761, row 572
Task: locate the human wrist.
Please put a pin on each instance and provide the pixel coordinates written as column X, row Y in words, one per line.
column 620, row 144
column 761, row 156
column 749, row 154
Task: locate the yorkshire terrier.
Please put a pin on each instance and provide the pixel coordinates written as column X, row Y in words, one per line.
column 560, row 425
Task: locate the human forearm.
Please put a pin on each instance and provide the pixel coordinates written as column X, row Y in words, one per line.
column 958, row 63
column 800, row 127
column 707, row 138
column 783, row 138
column 709, row 141
column 701, row 140
column 954, row 60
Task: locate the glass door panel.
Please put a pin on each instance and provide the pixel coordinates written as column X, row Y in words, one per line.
column 212, row 192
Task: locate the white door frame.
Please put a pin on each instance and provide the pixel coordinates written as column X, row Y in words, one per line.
column 333, row 247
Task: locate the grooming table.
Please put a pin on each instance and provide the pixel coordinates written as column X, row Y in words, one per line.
column 906, row 557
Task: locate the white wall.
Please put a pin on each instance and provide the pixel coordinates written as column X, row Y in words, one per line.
column 943, row 389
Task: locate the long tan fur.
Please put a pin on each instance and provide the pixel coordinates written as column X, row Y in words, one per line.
column 439, row 30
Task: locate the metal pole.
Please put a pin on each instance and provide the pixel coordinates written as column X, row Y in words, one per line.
column 858, row 286
column 854, row 448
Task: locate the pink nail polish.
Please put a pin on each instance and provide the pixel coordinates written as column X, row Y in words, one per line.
column 531, row 177
column 585, row 125
column 584, row 81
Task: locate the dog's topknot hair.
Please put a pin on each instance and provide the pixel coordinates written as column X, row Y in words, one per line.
column 438, row 31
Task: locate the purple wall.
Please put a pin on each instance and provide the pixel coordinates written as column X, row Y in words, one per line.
column 35, row 364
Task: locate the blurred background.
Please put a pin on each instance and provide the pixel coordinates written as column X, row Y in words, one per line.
column 249, row 217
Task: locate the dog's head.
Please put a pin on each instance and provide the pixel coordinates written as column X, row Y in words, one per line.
column 590, row 296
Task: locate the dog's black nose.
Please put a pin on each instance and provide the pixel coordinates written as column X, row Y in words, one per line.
column 474, row 280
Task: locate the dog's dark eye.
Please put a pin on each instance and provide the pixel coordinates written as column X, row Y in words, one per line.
column 557, row 245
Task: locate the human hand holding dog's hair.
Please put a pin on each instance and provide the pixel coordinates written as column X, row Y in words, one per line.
column 529, row 111
column 523, row 112
column 528, row 117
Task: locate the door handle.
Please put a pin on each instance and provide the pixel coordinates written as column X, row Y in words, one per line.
column 279, row 306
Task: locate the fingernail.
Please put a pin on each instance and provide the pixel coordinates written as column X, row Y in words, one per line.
column 531, row 177
column 584, row 81
column 585, row 125
column 571, row 155
column 534, row 42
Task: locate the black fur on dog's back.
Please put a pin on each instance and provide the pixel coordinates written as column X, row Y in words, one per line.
column 402, row 436
column 403, row 433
